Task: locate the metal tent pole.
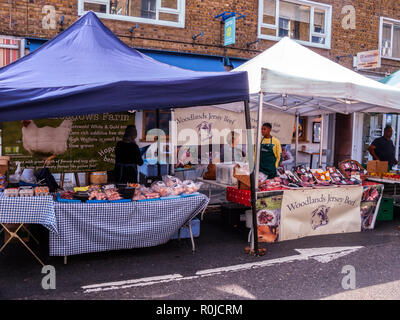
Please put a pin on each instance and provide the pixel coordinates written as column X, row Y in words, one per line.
column 258, row 137
column 172, row 146
column 297, row 139
column 321, row 141
column 250, row 152
column 158, row 142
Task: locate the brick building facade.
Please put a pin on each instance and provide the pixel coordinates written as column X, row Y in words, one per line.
column 337, row 29
column 32, row 18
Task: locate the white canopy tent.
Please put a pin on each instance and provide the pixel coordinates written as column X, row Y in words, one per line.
column 288, row 77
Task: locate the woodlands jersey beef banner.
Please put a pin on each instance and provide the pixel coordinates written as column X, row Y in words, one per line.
column 270, row 206
column 76, row 144
column 320, row 211
column 208, row 119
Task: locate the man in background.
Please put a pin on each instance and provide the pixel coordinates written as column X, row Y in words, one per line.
column 383, row 149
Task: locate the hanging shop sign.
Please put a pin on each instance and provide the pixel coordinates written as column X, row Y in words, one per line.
column 76, row 144
column 230, row 31
column 368, row 60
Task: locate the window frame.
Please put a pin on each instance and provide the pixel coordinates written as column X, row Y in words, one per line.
column 392, row 22
column 313, row 5
column 180, row 11
column 144, row 129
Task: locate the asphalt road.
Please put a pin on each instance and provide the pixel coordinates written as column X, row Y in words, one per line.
column 171, row 271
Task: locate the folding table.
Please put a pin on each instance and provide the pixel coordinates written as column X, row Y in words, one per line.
column 26, row 210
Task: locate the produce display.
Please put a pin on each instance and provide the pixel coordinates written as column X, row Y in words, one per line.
column 288, row 178
column 338, row 178
column 350, row 168
column 322, row 177
column 305, row 175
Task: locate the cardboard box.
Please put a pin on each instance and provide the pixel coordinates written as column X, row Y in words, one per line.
column 376, row 166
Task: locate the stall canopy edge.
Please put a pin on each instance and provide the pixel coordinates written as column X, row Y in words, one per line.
column 87, row 69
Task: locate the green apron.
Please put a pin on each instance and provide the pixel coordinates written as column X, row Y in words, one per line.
column 268, row 160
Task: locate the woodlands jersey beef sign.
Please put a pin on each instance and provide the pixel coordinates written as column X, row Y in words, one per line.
column 209, row 119
column 320, row 211
column 76, row 144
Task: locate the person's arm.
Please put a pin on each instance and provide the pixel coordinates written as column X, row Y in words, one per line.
column 277, row 151
column 371, row 150
column 138, row 157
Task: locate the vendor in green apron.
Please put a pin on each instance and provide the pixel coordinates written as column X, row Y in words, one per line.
column 270, row 152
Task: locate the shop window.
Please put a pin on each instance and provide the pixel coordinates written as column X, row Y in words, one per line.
column 163, row 12
column 390, row 38
column 150, row 122
column 306, row 21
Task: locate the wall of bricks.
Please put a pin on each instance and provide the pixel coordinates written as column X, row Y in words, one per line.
column 23, row 18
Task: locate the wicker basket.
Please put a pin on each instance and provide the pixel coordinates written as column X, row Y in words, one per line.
column 99, row 177
column 351, row 162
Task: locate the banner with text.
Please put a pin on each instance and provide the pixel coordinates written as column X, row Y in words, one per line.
column 77, row 144
column 320, row 211
column 218, row 123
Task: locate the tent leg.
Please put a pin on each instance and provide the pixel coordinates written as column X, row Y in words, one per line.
column 258, row 135
column 297, row 140
column 250, row 152
column 321, row 141
column 158, row 143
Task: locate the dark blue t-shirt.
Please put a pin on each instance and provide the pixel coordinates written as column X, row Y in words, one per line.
column 385, row 150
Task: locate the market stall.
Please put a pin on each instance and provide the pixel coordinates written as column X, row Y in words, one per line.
column 291, row 78
column 87, row 70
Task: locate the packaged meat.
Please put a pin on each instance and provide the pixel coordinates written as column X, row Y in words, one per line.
column 191, row 187
column 304, row 174
column 112, row 194
column 138, row 197
column 177, row 189
column 68, row 195
column 97, row 195
column 322, row 177
column 171, row 181
column 153, row 195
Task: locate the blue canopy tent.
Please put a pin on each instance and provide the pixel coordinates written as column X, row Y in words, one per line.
column 87, row 69
column 392, row 80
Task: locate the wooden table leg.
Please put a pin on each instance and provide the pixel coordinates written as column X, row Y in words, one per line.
column 15, row 235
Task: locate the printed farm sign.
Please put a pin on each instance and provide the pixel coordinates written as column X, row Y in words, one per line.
column 320, row 211
column 73, row 144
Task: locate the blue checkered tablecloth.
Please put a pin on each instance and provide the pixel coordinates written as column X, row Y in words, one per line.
column 95, row 227
column 35, row 210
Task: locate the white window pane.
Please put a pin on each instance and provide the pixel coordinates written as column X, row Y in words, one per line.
column 95, row 7
column 396, row 42
column 168, row 17
column 268, row 32
column 320, row 40
column 319, row 21
column 299, row 19
column 387, row 40
column 171, row 4
column 134, row 8
column 269, row 11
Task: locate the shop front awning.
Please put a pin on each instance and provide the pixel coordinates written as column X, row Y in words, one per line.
column 193, row 62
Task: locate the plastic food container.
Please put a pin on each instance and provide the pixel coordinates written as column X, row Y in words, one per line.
column 26, row 192
column 11, row 192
